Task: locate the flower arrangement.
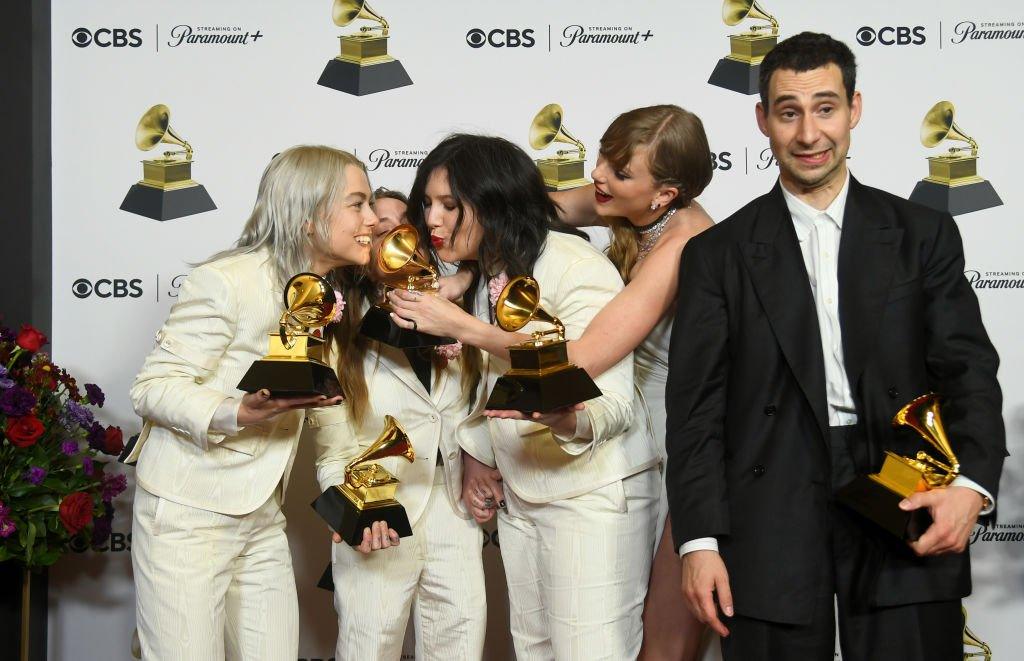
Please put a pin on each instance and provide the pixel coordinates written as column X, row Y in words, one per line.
column 53, row 487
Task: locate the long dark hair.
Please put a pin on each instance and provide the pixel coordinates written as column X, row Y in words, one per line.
column 505, row 191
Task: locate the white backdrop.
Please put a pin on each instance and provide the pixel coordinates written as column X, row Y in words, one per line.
column 240, row 103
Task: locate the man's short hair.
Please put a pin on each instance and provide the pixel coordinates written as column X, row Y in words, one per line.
column 391, row 194
column 804, row 52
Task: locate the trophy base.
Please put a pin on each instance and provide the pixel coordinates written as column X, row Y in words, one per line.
column 160, row 204
column 352, row 78
column 378, row 325
column 874, row 501
column 956, row 200
column 348, row 520
column 736, row 76
column 291, row 378
column 542, row 393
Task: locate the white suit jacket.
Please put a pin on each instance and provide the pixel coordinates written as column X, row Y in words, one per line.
column 428, row 419
column 576, row 281
column 221, row 324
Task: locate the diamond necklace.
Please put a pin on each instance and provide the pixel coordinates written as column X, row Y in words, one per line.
column 648, row 237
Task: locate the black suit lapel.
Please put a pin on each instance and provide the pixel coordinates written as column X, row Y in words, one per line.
column 777, row 271
column 867, row 253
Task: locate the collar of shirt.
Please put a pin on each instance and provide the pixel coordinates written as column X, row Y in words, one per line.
column 804, row 214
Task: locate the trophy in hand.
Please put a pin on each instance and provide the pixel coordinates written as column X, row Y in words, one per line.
column 368, row 492
column 364, row 66
column 952, row 184
column 877, row 496
column 739, row 70
column 294, row 365
column 167, row 190
column 565, row 169
column 399, row 264
column 541, row 377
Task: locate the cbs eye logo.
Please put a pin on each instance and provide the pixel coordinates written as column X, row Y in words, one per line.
column 107, row 288
column 500, row 38
column 106, row 37
column 891, row 36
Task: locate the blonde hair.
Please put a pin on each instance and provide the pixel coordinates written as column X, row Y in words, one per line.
column 678, row 156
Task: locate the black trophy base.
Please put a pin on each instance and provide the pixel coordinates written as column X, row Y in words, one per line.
column 736, row 76
column 351, row 78
column 378, row 325
column 342, row 515
column 882, row 505
column 956, row 200
column 291, row 378
column 542, row 393
column 161, row 204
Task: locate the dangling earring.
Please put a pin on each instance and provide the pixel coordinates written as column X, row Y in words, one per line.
column 654, row 205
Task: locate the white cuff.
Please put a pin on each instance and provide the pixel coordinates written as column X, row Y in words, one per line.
column 225, row 418
column 990, row 502
column 582, row 439
column 699, row 544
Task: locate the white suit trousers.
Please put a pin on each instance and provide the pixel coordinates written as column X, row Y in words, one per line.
column 577, row 570
column 439, row 569
column 212, row 586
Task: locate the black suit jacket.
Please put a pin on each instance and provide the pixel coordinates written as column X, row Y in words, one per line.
column 747, row 436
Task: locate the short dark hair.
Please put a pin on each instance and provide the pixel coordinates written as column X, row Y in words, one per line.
column 382, row 193
column 806, row 51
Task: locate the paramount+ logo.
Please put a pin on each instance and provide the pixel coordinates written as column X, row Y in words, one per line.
column 107, row 288
column 889, row 35
column 107, row 37
column 501, row 38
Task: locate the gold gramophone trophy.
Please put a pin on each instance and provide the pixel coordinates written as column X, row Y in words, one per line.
column 398, row 263
column 565, row 169
column 738, row 71
column 952, row 184
column 877, row 496
column 971, row 640
column 368, row 492
column 167, row 189
column 364, row 66
column 294, row 364
column 541, row 377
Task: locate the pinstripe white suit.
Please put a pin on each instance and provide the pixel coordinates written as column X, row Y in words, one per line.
column 578, row 535
column 439, row 568
column 208, row 550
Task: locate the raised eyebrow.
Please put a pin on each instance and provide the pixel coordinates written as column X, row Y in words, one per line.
column 358, row 195
column 829, row 94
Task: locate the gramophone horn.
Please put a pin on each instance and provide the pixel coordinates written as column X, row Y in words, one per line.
column 154, row 128
column 392, row 442
column 922, row 415
column 970, row 639
column 938, row 125
column 309, row 302
column 345, row 11
column 734, row 11
column 519, row 303
column 399, row 249
column 547, row 127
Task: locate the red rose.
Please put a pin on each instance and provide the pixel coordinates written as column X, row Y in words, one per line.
column 30, row 339
column 24, row 431
column 76, row 511
column 113, row 440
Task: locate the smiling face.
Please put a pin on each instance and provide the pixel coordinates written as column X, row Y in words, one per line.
column 350, row 222
column 808, row 122
column 629, row 192
column 441, row 212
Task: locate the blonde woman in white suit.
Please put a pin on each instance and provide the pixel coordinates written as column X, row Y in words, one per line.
column 581, row 485
column 213, row 572
column 439, row 568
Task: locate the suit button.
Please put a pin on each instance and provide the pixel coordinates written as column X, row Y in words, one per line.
column 432, row 418
column 770, row 409
column 893, row 392
column 758, row 470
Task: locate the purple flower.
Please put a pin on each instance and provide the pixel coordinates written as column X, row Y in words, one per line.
column 35, row 475
column 7, row 527
column 113, row 485
column 94, row 394
column 79, row 414
column 6, row 334
column 102, row 525
column 16, row 401
column 97, row 434
column 69, row 447
column 87, row 466
column 4, row 381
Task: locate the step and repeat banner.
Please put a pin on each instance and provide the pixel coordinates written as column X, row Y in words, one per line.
column 239, row 81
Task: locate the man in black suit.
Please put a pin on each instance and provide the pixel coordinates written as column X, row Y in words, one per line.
column 805, row 321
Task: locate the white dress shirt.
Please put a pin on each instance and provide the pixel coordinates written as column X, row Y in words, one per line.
column 819, row 233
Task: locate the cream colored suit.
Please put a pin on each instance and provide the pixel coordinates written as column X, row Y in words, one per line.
column 578, row 534
column 209, row 550
column 438, row 568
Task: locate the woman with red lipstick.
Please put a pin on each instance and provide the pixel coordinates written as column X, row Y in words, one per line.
column 581, row 486
column 653, row 162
